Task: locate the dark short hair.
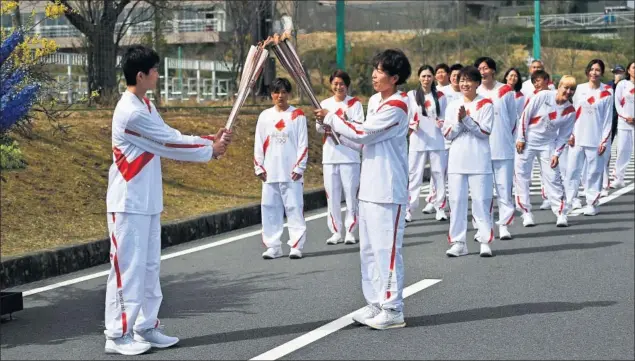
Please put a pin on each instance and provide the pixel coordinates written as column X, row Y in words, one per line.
column 393, row 62
column 593, row 62
column 342, row 75
column 472, row 73
column 456, row 66
column 138, row 58
column 539, row 74
column 279, row 84
column 518, row 84
column 487, row 60
column 443, row 66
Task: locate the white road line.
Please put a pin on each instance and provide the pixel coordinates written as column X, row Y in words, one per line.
column 610, row 197
column 331, row 327
column 164, row 257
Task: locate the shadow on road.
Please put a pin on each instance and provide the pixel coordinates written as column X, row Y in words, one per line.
column 476, row 314
column 552, row 248
column 76, row 312
column 492, row 313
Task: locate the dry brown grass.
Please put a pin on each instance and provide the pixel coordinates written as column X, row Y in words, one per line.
column 59, row 199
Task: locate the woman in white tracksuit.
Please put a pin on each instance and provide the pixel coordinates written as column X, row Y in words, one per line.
column 468, row 125
column 426, row 112
column 591, row 137
column 625, row 106
column 383, row 192
column 450, row 93
column 501, row 141
column 545, row 127
column 341, row 164
column 280, row 157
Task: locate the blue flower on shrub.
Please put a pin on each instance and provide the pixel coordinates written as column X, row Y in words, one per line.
column 9, row 44
column 16, row 95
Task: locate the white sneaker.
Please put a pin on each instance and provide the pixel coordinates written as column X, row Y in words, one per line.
column 590, row 210
column 155, row 338
column 272, row 253
column 528, row 220
column 126, row 345
column 604, row 193
column 503, row 233
column 428, row 209
column 408, row 217
column 387, row 319
column 441, row 215
column 335, row 239
column 485, row 250
column 350, row 238
column 562, row 221
column 366, row 314
column 618, row 184
column 295, row 253
column 576, row 203
column 458, row 249
column 545, row 205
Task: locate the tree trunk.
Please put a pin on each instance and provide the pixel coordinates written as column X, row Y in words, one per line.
column 17, row 17
column 104, row 56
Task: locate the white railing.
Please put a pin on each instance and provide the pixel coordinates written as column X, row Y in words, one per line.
column 169, row 27
column 620, row 19
column 74, row 59
column 204, row 86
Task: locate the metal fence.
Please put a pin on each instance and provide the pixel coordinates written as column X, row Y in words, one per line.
column 209, row 80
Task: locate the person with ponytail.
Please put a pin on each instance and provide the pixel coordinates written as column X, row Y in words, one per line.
column 426, row 114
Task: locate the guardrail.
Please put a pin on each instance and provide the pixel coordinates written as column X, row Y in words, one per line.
column 622, row 19
column 170, row 27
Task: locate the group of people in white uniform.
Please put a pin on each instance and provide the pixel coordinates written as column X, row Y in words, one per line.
column 478, row 135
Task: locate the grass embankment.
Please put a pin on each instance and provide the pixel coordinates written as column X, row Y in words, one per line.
column 60, row 198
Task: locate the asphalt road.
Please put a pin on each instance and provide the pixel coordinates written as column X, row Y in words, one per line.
column 550, row 293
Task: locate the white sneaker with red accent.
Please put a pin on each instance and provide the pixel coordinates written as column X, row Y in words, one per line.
column 350, row 238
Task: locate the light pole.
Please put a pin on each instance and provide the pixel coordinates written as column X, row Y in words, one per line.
column 339, row 28
column 536, row 29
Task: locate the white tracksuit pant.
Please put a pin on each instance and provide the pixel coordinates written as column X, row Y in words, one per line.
column 503, row 181
column 338, row 177
column 381, row 230
column 279, row 199
column 550, row 178
column 133, row 292
column 625, row 147
column 481, row 187
column 595, row 164
column 438, row 168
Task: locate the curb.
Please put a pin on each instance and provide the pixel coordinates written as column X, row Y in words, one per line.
column 36, row 266
column 16, row 271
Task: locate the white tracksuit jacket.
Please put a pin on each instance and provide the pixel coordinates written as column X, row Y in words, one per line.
column 383, row 195
column 140, row 138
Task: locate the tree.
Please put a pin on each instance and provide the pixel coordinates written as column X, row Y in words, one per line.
column 244, row 17
column 98, row 20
